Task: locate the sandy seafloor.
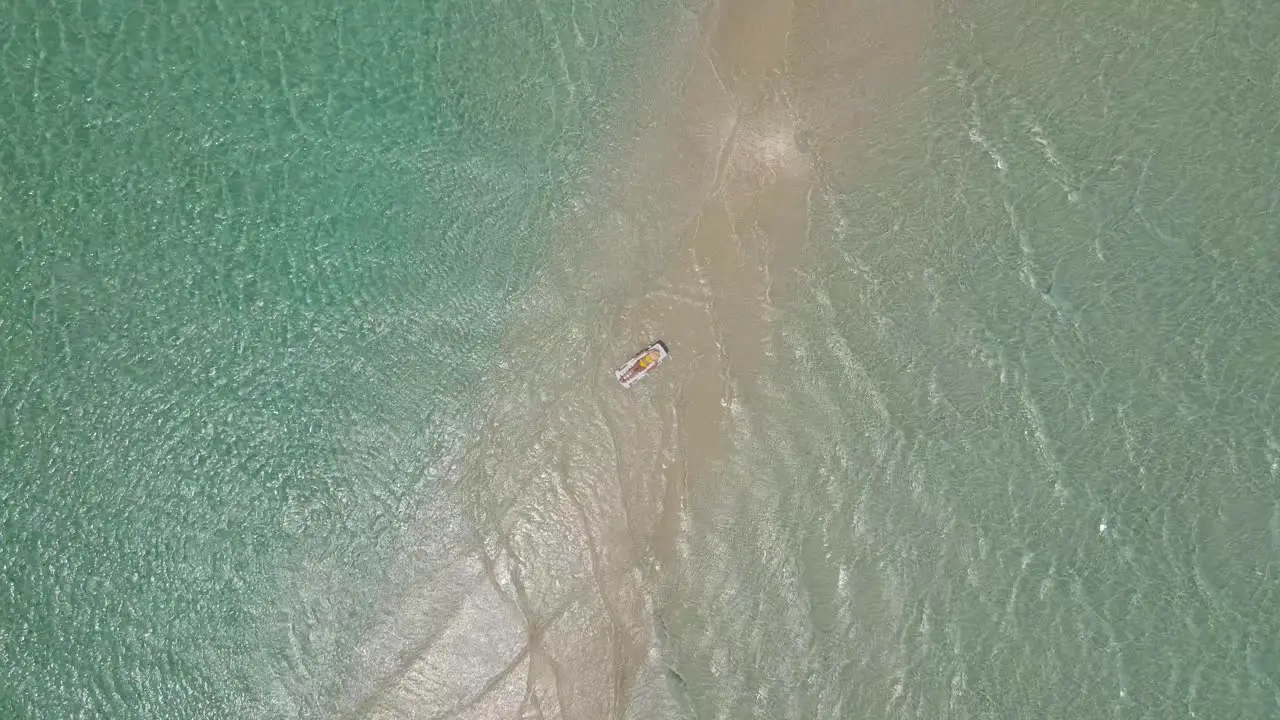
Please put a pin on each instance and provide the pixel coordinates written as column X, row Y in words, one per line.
column 582, row 497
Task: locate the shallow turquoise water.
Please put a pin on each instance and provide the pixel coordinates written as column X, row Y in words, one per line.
column 252, row 256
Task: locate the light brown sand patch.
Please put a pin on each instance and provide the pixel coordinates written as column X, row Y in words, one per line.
column 582, row 490
column 748, row 42
column 851, row 65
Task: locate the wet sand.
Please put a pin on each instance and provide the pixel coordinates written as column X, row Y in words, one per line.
column 578, row 492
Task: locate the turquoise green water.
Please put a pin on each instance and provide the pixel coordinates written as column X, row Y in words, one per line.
column 252, row 254
column 1017, row 455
